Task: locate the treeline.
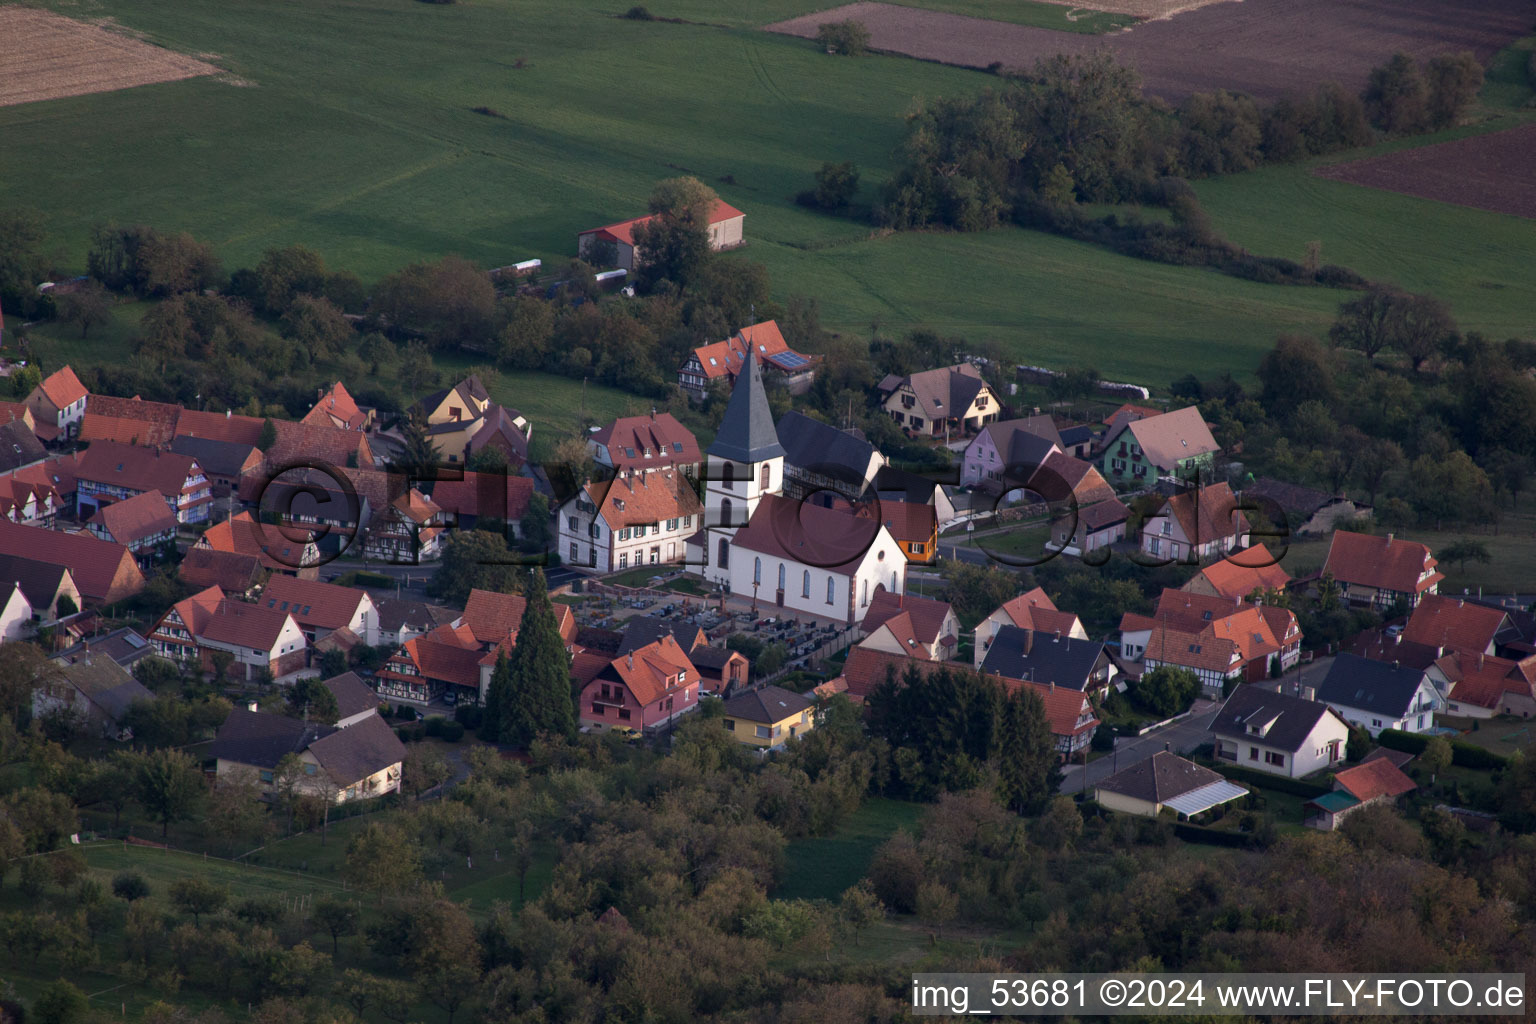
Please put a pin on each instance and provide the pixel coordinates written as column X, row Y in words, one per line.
column 1078, row 129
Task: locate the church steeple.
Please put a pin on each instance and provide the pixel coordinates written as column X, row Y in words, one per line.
column 747, row 433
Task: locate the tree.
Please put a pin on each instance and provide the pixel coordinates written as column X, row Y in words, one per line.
column 1025, row 754
column 847, row 38
column 129, row 886
column 285, row 273
column 22, row 263
column 419, row 456
column 533, row 528
column 60, row 1002
column 858, row 908
column 1377, row 457
column 87, row 306
column 1463, row 551
column 451, row 301
column 473, row 560
column 836, row 185
column 197, row 896
column 235, row 808
column 313, row 701
column 1396, row 97
column 169, row 784
column 1452, row 489
column 1507, row 471
column 338, row 917
column 1061, row 824
column 975, row 591
column 383, row 858
column 222, row 660
column 424, row 768
column 1453, row 81
column 1365, row 323
column 498, row 701
column 542, row 701
column 446, row 964
column 674, row 242
column 268, row 436
column 318, row 325
column 289, row 782
column 1417, row 326
column 1294, row 371
column 1167, row 690
column 173, row 264
column 1436, row 756
column 333, row 662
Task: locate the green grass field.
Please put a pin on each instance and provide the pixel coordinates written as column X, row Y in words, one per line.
column 353, row 131
column 822, row 867
column 1511, row 570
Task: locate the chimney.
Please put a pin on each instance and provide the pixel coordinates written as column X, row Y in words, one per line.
column 1389, row 540
column 631, row 659
column 250, row 706
column 227, row 413
column 1058, row 637
column 1167, row 747
column 1479, row 659
column 1308, row 693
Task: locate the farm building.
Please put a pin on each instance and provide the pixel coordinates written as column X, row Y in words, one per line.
column 725, row 232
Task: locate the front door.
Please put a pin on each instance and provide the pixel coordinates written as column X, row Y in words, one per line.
column 779, row 598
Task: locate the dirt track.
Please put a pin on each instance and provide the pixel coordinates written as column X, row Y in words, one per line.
column 1264, row 47
column 1490, row 172
column 46, row 56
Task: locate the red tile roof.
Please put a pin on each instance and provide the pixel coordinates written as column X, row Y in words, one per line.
column 624, row 230
column 58, row 473
column 827, row 538
column 1035, row 610
column 926, row 614
column 1231, row 578
column 1384, row 563
column 1128, row 412
column 1372, row 779
column 63, row 388
column 135, row 468
column 477, row 495
column 650, row 672
column 275, row 545
column 659, row 433
column 299, row 443
column 130, row 521
column 642, row 498
column 720, row 359
column 204, row 567
column 1069, row 711
column 910, row 521
column 244, row 625
column 866, row 668
column 1485, row 681
column 1454, row 624
column 336, row 408
column 493, row 618
column 220, row 426
column 446, row 654
column 1207, row 515
column 95, row 426
column 104, row 572
column 312, row 603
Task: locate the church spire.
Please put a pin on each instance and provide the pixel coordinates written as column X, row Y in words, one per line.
column 747, row 433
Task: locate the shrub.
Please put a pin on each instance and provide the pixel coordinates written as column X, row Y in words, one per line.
column 434, row 725
column 1238, row 773
column 130, row 886
column 639, row 13
column 847, row 38
column 452, row 732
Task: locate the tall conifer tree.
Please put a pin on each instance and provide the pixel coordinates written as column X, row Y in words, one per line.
column 542, row 701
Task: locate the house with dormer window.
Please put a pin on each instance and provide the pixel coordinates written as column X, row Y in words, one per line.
column 646, row 689
column 1139, row 452
column 1377, row 695
column 638, row 519
column 1276, row 733
column 934, row 403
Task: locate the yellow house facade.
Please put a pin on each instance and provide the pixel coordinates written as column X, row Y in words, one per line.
column 768, row 718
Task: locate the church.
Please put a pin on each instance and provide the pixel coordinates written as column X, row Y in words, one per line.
column 782, row 552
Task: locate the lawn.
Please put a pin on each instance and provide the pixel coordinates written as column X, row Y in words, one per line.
column 822, row 867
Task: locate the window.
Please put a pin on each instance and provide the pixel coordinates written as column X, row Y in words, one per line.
column 266, row 777
column 1167, row 527
column 765, row 477
column 572, row 521
column 671, row 524
column 655, row 529
column 1253, row 753
column 1278, row 760
column 805, row 583
column 1375, row 723
column 624, row 714
column 574, row 556
column 763, row 732
column 728, row 475
column 624, row 534
column 724, row 559
column 655, row 555
column 781, row 575
column 725, row 513
column 915, row 549
column 687, row 522
column 730, row 726
column 917, row 423
column 309, row 769
column 623, row 559
column 831, row 585
column 757, row 570
column 864, row 593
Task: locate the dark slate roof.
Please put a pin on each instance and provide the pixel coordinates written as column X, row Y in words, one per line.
column 1399, row 758
column 746, row 432
column 1159, row 778
column 1074, row 436
column 38, row 580
column 19, row 446
column 221, row 458
column 642, row 630
column 767, row 705
column 124, row 646
column 904, row 485
column 1042, row 657
column 1522, row 627
column 353, row 696
column 395, row 612
column 705, row 656
column 822, row 448
column 1378, row 686
column 593, row 639
column 1292, row 718
column 356, row 752
column 1291, row 497
column 250, row 737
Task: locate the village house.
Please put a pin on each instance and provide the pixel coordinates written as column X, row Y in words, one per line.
column 1068, row 713
column 282, row 549
column 722, row 671
column 230, row 571
column 1031, row 610
column 471, row 499
column 1196, row 526
column 18, row 412
column 48, row 587
column 311, row 444
column 335, row 407
column 29, row 504
column 1050, row 658
column 635, row 443
column 1240, row 575
column 15, row 613
column 719, row 363
column 642, row 518
column 400, row 619
column 896, row 484
column 616, row 243
column 1455, row 624
column 222, row 426
column 124, row 646
column 103, row 572
column 336, row 763
column 936, row 403
column 866, row 668
column 1090, row 528
column 914, row 527
column 1011, row 449
column 94, row 693
column 1277, row 733
column 645, row 689
column 918, row 627
column 54, row 479
column 1219, row 640
column 129, row 421
column 1078, row 441
column 1376, row 572
column 58, row 405
column 441, row 663
column 323, row 608
column 1377, row 695
column 822, row 462
column 226, row 464
column 1142, row 451
column 1372, row 782
column 1127, row 413
column 768, row 717
column 143, row 524
column 1166, row 780
column 404, row 531
column 256, row 638
column 462, row 420
column 109, row 472
column 19, row 446
column 1483, row 686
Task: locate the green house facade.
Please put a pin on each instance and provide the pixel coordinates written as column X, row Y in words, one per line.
column 1176, row 444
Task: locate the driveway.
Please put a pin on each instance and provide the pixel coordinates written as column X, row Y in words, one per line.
column 1181, row 737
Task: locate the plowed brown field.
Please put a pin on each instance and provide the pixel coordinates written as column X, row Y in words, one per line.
column 1264, row 47
column 45, row 56
column 1490, row 172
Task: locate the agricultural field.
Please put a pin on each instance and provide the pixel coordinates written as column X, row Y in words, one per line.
column 1263, row 47
column 357, row 134
column 47, row 57
column 1490, row 172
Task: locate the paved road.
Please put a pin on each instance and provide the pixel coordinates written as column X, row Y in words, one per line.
column 1181, row 737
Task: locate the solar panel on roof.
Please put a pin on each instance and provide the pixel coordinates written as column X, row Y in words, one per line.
column 677, row 446
column 789, row 359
